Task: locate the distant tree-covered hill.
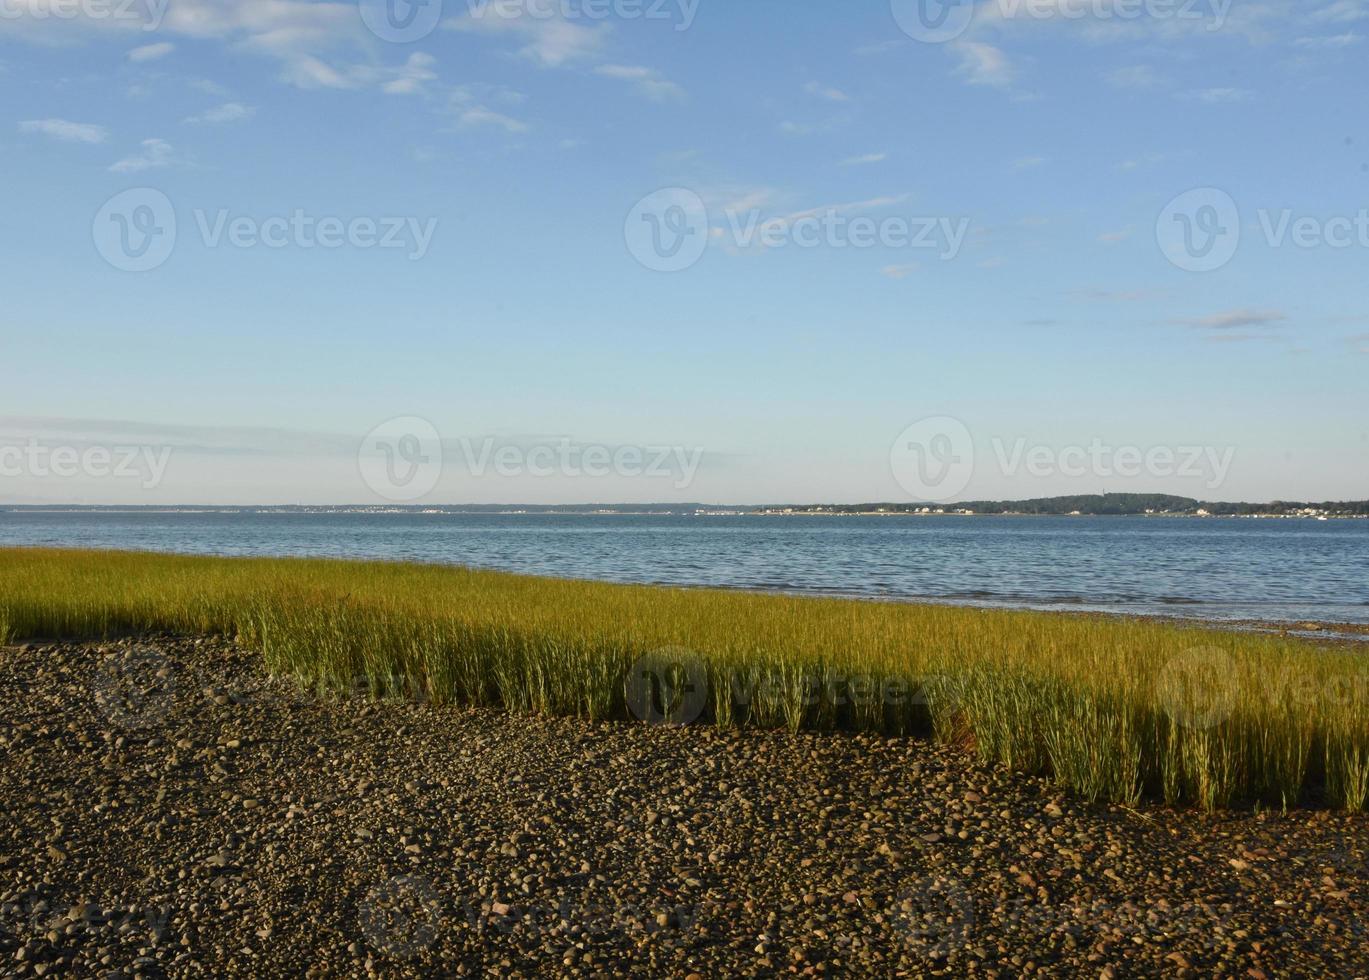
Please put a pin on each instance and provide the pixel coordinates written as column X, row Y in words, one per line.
column 1119, row 504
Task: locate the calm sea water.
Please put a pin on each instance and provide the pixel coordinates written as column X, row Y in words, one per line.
column 1213, row 568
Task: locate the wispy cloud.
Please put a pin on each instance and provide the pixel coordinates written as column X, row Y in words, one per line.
column 647, row 81
column 468, row 103
column 1028, row 163
column 549, row 41
column 151, row 52
column 983, row 64
column 155, row 153
column 899, row 271
column 1331, row 42
column 1218, row 96
column 1119, row 235
column 66, row 130
column 826, row 92
column 1119, row 295
column 411, row 77
column 1236, row 319
column 229, row 112
column 864, row 158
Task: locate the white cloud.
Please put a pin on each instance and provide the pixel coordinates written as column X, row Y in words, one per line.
column 229, row 112
column 411, row 77
column 551, row 41
column 1029, row 163
column 306, row 71
column 65, row 130
column 1342, row 12
column 481, row 116
column 648, row 81
column 468, row 102
column 1333, row 41
column 899, row 271
column 826, row 92
column 151, row 52
column 1233, row 319
column 864, row 159
column 1218, row 96
column 1113, row 237
column 983, row 64
column 155, row 153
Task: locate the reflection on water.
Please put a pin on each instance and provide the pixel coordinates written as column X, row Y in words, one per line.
column 1213, row 568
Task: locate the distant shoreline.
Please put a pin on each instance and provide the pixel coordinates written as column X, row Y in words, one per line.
column 558, row 511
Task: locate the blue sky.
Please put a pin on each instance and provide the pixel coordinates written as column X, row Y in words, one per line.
column 520, row 136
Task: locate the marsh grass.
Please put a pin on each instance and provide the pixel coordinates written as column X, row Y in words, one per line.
column 1111, row 709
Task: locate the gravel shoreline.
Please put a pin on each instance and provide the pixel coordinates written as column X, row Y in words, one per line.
column 168, row 810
